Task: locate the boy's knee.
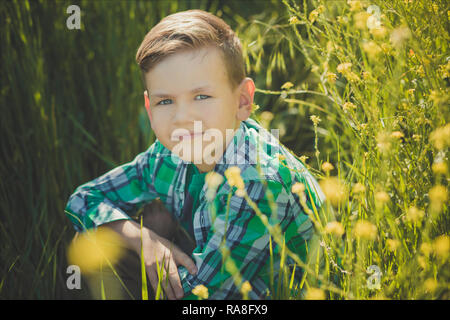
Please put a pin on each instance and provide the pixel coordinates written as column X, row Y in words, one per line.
column 158, row 219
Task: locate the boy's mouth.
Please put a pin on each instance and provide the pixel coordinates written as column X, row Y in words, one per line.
column 192, row 135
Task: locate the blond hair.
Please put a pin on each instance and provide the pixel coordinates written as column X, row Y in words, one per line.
column 192, row 29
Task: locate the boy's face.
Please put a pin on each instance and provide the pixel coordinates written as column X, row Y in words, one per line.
column 185, row 119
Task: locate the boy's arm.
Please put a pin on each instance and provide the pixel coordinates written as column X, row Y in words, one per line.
column 116, row 194
column 247, row 240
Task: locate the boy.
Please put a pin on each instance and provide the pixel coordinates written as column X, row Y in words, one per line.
column 196, row 90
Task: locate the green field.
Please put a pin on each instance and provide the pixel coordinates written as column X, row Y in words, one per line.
column 359, row 89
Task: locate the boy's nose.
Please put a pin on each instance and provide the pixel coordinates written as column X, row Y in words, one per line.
column 183, row 117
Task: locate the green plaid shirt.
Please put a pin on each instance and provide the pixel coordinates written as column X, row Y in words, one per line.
column 157, row 173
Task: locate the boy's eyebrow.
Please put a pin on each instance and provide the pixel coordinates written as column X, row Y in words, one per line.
column 165, row 95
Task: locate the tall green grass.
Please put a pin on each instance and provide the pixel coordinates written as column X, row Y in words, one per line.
column 72, row 109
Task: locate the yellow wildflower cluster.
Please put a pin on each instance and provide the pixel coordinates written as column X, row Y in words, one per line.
column 315, row 120
column 315, row 13
column 293, row 20
column 201, row 291
column 441, row 246
column 441, row 137
column 213, row 180
column 414, row 215
column 335, row 228
column 327, row 167
column 358, row 188
column 348, row 106
column 346, row 69
column 365, row 230
column 438, row 196
column 440, row 168
column 233, row 175
column 381, row 197
column 287, row 86
column 93, row 249
column 315, row 294
column 399, row 36
column 245, row 289
column 335, row 191
column 298, row 188
column 392, row 244
column 331, row 77
column 371, row 49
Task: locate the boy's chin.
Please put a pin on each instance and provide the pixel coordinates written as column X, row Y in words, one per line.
column 197, row 156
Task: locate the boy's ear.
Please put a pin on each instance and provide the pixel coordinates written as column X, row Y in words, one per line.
column 147, row 106
column 246, row 94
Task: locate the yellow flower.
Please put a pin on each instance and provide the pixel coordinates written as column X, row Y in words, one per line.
column 315, row 119
column 392, row 244
column 358, row 187
column 344, row 67
column 372, row 49
column 381, row 197
column 266, row 117
column 320, row 9
column 293, row 20
column 414, row 215
column 240, row 193
column 348, row 105
column 426, row 248
column 281, row 157
column 335, row 191
column 360, row 19
column 441, row 137
column 438, row 196
column 331, row 77
column 397, row 134
column 315, row 294
column 326, row 166
column 95, row 248
column 201, row 291
column 298, row 188
column 303, row 158
column 313, row 16
column 416, row 137
column 441, row 246
column 366, row 75
column 399, row 36
column 287, row 86
column 335, row 228
column 246, row 288
column 255, row 107
column 430, row 285
column 354, row 5
column 233, row 175
column 439, row 168
column 383, row 141
column 365, row 230
column 213, row 179
column 379, row 33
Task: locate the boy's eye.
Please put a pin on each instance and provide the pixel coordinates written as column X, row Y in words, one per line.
column 203, row 97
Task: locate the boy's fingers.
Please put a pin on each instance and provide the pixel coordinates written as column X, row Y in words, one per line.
column 174, row 280
column 153, row 277
column 186, row 261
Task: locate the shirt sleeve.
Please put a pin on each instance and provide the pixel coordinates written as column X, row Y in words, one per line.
column 246, row 238
column 116, row 194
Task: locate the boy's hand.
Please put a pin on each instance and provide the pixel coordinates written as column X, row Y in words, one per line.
column 157, row 248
